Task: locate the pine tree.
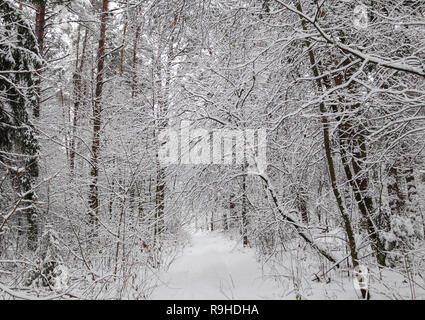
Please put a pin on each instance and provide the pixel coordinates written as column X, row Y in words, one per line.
column 19, row 58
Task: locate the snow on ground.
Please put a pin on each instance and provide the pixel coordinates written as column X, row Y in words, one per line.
column 214, row 267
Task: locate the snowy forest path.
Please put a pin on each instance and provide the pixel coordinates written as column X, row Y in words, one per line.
column 215, row 267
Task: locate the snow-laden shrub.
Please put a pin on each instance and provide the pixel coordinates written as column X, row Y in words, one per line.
column 402, row 238
column 51, row 271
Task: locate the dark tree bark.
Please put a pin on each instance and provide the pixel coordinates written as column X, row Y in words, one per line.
column 329, row 158
column 225, row 222
column 244, row 213
column 162, row 99
column 78, row 96
column 301, row 205
column 40, row 24
column 97, row 112
column 232, row 210
column 352, row 145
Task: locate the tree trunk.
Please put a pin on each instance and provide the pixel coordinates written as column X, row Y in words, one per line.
column 352, row 143
column 162, row 123
column 225, row 223
column 397, row 200
column 97, row 110
column 301, row 205
column 244, row 217
column 414, row 209
column 78, row 93
column 328, row 152
column 212, row 221
column 40, row 23
column 232, row 210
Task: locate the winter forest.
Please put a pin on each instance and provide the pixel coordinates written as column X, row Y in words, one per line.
column 99, row 200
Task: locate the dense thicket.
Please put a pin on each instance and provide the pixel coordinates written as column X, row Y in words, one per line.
column 88, row 88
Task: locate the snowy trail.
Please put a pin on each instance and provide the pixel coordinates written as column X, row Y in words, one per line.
column 214, row 267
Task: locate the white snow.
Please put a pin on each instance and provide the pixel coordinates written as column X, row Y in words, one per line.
column 214, row 267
